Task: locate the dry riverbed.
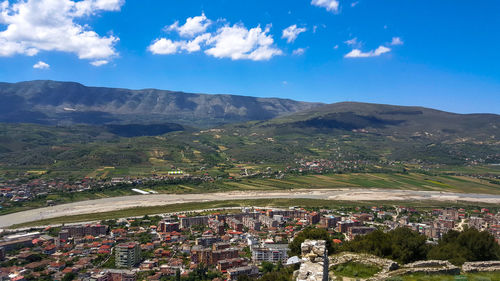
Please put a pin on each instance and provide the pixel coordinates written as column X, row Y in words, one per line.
column 346, row 194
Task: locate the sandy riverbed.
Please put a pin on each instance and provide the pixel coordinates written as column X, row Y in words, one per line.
column 117, row 203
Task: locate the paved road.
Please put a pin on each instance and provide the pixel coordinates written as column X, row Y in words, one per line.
column 346, row 194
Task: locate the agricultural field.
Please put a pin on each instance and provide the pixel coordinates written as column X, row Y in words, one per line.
column 411, row 181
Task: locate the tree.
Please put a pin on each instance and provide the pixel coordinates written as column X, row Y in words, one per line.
column 468, row 245
column 69, row 276
column 310, row 233
column 401, row 244
column 267, row 267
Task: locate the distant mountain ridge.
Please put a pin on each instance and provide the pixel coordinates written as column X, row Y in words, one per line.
column 391, row 120
column 52, row 102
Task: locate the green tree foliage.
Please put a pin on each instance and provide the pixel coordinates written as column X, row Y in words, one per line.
column 468, row 245
column 310, row 233
column 69, row 276
column 401, row 244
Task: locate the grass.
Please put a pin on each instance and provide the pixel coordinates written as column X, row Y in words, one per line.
column 278, row 202
column 355, row 270
column 483, row 276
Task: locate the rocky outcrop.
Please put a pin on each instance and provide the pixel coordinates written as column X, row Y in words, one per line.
column 481, row 266
column 314, row 263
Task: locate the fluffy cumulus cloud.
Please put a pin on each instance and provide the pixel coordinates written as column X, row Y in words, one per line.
column 50, row 25
column 235, row 42
column 193, row 26
column 357, row 53
column 41, row 65
column 329, row 5
column 164, row 46
column 290, row 33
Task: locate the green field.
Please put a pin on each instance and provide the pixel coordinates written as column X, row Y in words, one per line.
column 410, row 181
column 305, row 203
column 355, row 270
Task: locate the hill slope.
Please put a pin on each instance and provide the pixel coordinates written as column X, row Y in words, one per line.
column 350, row 135
column 51, row 102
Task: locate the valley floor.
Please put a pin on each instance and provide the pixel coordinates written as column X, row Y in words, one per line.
column 340, row 194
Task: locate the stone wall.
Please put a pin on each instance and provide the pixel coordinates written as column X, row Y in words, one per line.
column 314, row 263
column 481, row 266
column 428, row 267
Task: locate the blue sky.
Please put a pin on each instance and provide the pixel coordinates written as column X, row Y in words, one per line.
column 442, row 54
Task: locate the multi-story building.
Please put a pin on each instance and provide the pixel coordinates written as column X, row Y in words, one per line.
column 127, row 254
column 235, row 224
column 217, row 226
column 329, row 221
column 251, row 223
column 168, row 226
column 359, row 230
column 268, row 221
column 83, row 230
column 271, row 253
column 344, row 226
column 192, row 221
column 207, row 240
column 251, row 270
column 224, row 254
column 313, row 218
column 224, row 265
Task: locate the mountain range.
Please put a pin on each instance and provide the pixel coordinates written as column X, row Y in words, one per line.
column 73, row 127
column 63, row 103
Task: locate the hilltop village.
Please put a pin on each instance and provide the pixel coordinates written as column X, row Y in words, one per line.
column 210, row 244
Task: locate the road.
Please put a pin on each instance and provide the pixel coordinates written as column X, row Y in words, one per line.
column 345, row 194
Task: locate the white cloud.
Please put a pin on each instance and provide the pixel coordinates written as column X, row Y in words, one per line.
column 165, row 46
column 41, row 65
column 237, row 42
column 336, row 47
column 99, row 62
column 50, row 25
column 299, row 51
column 353, row 4
column 396, row 41
column 330, row 5
column 195, row 44
column 357, row 53
column 290, row 33
column 192, row 27
column 352, row 42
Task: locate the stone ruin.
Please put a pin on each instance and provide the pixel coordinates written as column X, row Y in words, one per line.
column 314, row 262
column 386, row 265
column 429, row 267
column 481, row 266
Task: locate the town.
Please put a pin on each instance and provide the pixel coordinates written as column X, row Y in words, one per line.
column 221, row 244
